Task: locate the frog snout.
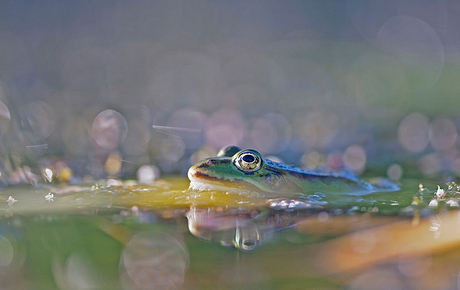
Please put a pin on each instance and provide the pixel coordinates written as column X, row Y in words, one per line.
column 191, row 172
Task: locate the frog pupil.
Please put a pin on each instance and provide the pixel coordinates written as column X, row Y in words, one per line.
column 248, row 158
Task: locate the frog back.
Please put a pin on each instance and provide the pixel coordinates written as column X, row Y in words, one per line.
column 321, row 180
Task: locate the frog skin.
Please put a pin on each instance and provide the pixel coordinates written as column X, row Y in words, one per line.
column 238, row 169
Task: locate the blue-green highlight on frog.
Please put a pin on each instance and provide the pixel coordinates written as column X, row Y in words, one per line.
column 246, row 169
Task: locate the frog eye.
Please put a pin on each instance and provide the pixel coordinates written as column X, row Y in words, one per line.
column 248, row 161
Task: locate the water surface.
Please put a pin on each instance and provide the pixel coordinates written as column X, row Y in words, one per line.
column 163, row 236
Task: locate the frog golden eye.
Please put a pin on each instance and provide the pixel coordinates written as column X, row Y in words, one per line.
column 248, row 161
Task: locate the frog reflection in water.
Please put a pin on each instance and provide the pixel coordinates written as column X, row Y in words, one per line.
column 238, row 169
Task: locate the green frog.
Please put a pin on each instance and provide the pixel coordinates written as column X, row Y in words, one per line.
column 236, row 169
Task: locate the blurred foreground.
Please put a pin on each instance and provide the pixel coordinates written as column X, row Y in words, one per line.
column 101, row 236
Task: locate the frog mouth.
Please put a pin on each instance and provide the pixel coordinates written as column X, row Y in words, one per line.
column 202, row 181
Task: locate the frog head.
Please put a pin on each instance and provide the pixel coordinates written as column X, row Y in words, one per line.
column 237, row 169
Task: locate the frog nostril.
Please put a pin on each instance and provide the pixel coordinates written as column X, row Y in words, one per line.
column 211, row 162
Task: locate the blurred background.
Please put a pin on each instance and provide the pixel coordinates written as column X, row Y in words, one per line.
column 135, row 88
